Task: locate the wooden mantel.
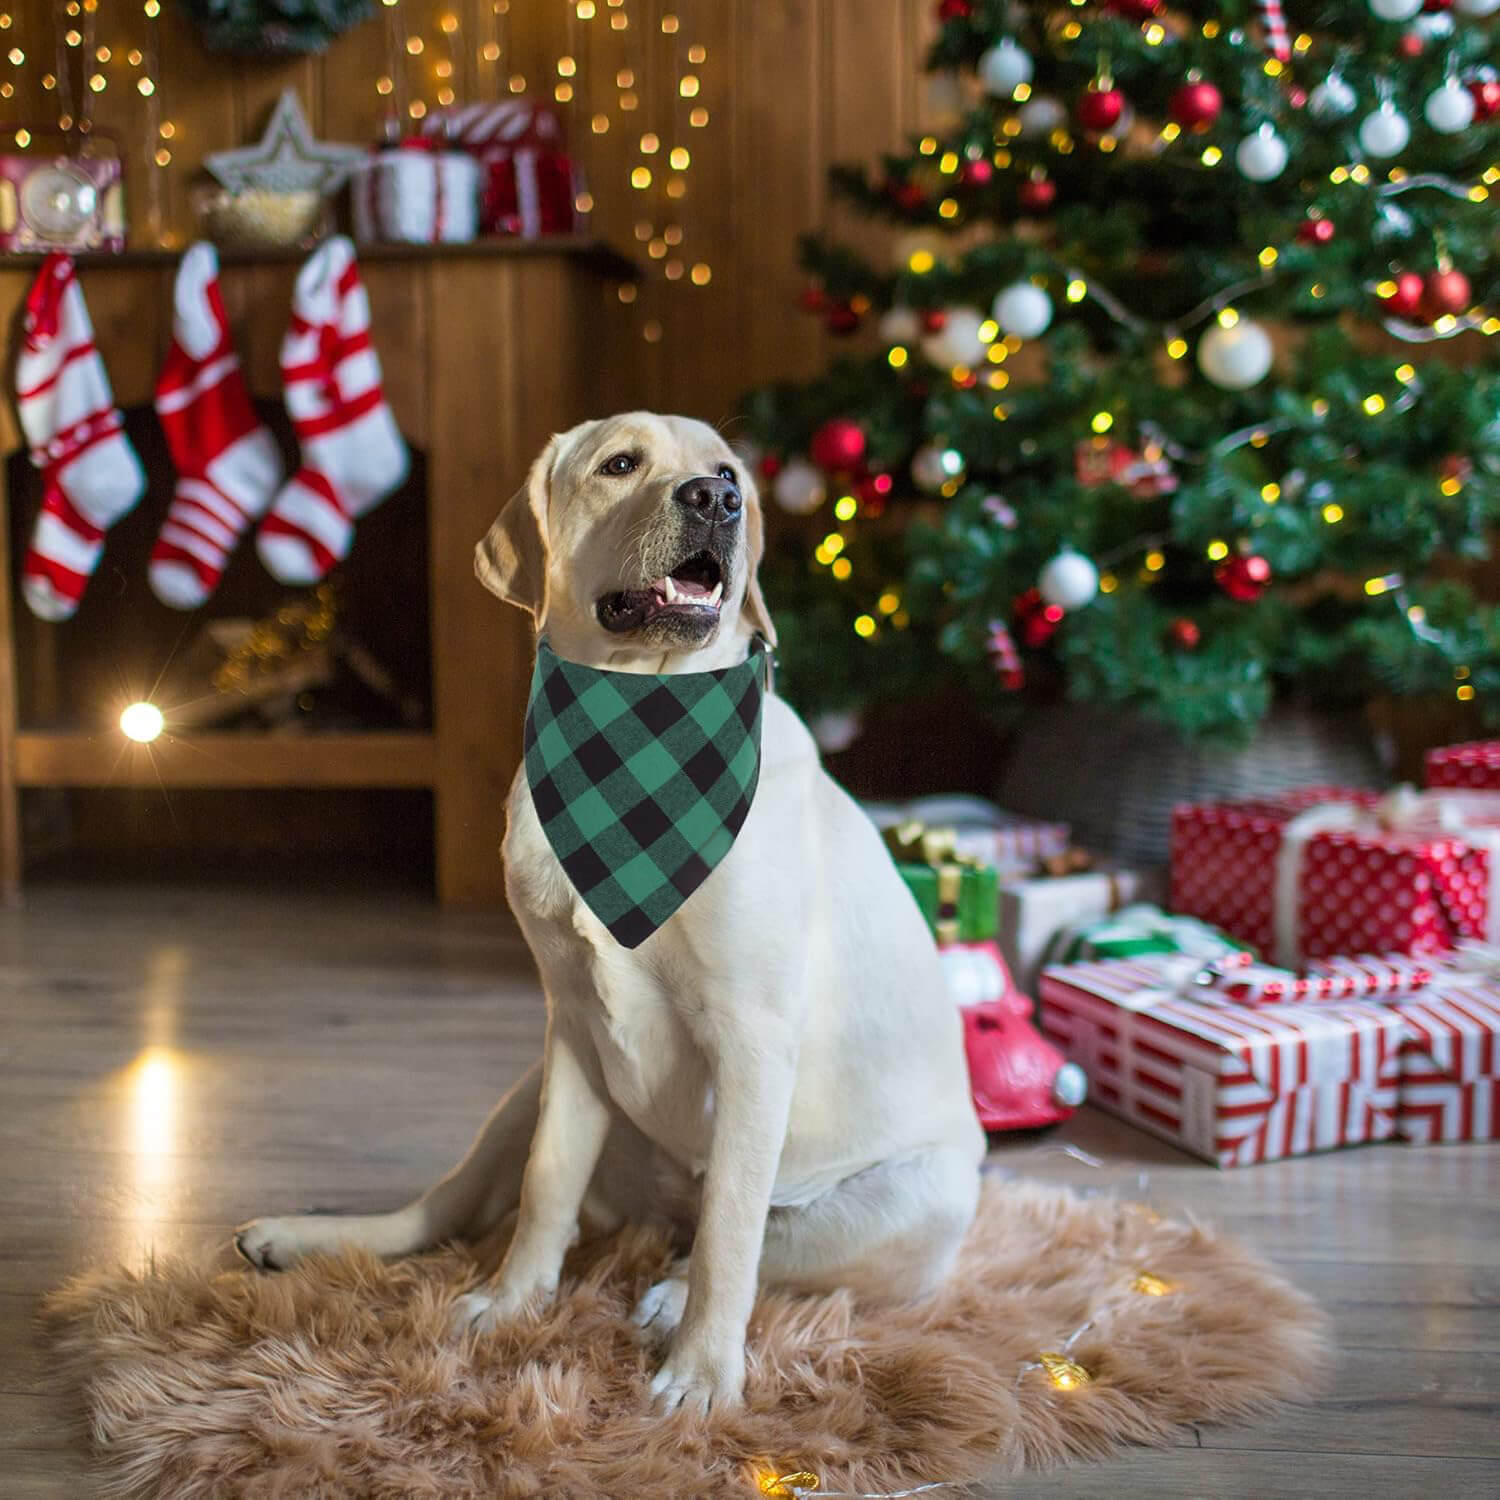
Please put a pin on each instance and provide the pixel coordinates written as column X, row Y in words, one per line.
column 487, row 350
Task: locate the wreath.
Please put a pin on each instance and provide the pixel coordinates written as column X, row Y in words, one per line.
column 274, row 28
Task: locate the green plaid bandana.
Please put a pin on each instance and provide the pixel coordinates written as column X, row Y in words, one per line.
column 641, row 780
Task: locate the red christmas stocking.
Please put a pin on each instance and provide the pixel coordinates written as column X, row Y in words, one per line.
column 228, row 465
column 353, row 454
column 91, row 475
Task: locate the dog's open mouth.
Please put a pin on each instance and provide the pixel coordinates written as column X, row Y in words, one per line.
column 692, row 591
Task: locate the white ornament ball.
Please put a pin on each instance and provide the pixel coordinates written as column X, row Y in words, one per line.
column 1004, row 68
column 1395, row 10
column 1332, row 99
column 1041, row 115
column 1384, row 131
column 1261, row 157
column 900, row 326
column 1477, row 7
column 957, row 342
column 1433, row 26
column 932, row 467
column 799, row 487
column 1069, row 581
column 1237, row 357
column 1023, row 309
column 1450, row 108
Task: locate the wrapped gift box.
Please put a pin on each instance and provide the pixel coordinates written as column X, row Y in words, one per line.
column 416, row 193
column 1034, row 911
column 1011, row 845
column 959, row 901
column 1230, row 1084
column 1328, row 871
column 1475, row 764
column 1450, row 1058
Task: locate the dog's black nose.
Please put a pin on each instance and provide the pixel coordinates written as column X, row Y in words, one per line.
column 714, row 500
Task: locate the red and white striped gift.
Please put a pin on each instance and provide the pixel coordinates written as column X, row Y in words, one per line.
column 1228, row 1083
column 1369, row 977
column 1475, row 764
column 1450, row 1059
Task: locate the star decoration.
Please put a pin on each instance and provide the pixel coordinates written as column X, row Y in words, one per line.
column 286, row 159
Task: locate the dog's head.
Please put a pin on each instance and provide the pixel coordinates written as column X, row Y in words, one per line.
column 637, row 533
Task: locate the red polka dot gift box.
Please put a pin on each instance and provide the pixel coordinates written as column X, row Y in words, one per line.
column 1325, row 871
column 1229, row 1083
column 1475, row 764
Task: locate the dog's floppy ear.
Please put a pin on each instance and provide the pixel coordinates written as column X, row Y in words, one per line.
column 511, row 560
column 755, row 545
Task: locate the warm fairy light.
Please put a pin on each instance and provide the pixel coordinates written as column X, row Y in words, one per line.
column 927, row 145
column 1406, row 374
column 1451, row 485
column 152, row 8
column 1273, row 67
column 1156, row 34
column 1217, row 550
column 652, row 331
column 584, row 203
column 997, row 380
column 1416, row 614
column 17, row 56
column 1373, row 404
column 1108, row 583
column 672, row 234
column 669, row 25
column 844, row 507
column 1360, row 173
column 145, row 86
column 888, row 603
column 1021, row 93
column 1464, row 692
column 697, row 54
column 586, row 10
column 989, row 331
column 657, row 249
column 1210, row 29
column 415, row 45
column 1064, row 1373
column 673, row 270
column 921, row 262
column 600, row 124
column 699, row 118
column 1155, row 562
column 625, row 79
column 650, row 144
column 383, row 85
column 628, row 101
column 1228, row 317
column 1377, row 586
column 1270, row 493
column 1077, row 290
column 841, row 568
column 1000, row 412
column 141, row 722
column 1333, row 513
column 640, row 177
column 72, row 38
column 5, row 21
column 688, row 86
column 1212, row 157
column 679, row 160
column 1102, row 422
column 1319, row 407
column 626, row 293
column 490, row 52
column 566, row 67
column 701, row 274
column 97, row 82
column 1445, row 324
column 445, row 96
column 1148, row 1284
column 1176, row 348
column 162, row 156
column 620, row 23
column 948, row 163
column 948, row 208
column 1460, row 673
column 1170, row 131
column 443, row 68
column 1268, row 257
column 1072, row 31
column 676, row 187
column 897, row 357
column 1303, row 42
column 864, row 626
column 770, row 1482
column 416, row 109
column 833, row 543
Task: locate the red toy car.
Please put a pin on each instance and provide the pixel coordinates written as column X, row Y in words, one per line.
column 1018, row 1078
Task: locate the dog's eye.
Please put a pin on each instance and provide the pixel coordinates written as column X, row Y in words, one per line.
column 620, row 463
column 725, row 472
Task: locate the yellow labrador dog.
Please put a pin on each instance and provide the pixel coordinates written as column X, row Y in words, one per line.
column 776, row 1070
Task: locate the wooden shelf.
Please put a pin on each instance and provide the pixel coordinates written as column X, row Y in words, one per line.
column 591, row 252
column 108, row 759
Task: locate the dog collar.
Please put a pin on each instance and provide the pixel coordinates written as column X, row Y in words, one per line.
column 642, row 780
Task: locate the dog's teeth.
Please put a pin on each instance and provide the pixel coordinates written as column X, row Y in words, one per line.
column 671, row 591
column 717, row 594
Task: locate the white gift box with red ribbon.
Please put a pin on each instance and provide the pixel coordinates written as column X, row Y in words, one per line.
column 1231, row 1084
column 416, row 192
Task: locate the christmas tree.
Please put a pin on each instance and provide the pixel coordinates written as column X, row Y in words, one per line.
column 1179, row 390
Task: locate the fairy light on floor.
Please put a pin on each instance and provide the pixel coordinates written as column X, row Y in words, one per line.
column 142, row 722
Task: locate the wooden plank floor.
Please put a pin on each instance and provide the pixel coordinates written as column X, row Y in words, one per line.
column 174, row 1061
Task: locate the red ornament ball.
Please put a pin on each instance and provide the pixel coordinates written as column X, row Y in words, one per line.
column 1037, row 194
column 908, row 196
column 1195, row 106
column 977, row 172
column 770, row 466
column 1456, row 466
column 842, row 318
column 872, row 492
column 1037, row 620
column 934, row 320
column 1136, row 10
column 1296, row 96
column 1100, row 109
column 1406, row 300
column 1447, row 292
column 1315, row 231
column 813, row 299
column 1486, row 94
column 955, row 10
column 1434, row 5
column 1244, row 578
column 838, row 445
column 1411, row 44
column 1184, row 633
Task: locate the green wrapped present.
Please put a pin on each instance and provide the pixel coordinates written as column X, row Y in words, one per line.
column 959, row 896
column 1135, row 931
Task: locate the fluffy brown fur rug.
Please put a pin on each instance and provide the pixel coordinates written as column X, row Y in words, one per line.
column 338, row 1379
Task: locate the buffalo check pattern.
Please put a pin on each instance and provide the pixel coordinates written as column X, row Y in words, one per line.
column 641, row 781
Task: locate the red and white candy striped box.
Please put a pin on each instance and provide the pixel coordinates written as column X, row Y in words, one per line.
column 1229, row 1083
column 1326, row 871
column 1474, row 764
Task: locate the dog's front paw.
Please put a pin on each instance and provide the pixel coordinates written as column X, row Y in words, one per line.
column 485, row 1310
column 659, row 1312
column 699, row 1376
column 270, row 1244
